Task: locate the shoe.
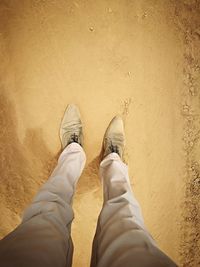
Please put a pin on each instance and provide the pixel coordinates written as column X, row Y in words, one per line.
column 71, row 127
column 114, row 138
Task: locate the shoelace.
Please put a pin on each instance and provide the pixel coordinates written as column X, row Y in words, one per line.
column 73, row 138
column 114, row 148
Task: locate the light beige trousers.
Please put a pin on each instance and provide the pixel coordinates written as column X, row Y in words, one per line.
column 43, row 238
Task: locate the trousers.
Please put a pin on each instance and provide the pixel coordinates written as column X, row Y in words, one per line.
column 43, row 238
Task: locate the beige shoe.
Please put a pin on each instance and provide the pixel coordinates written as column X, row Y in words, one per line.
column 71, row 127
column 114, row 138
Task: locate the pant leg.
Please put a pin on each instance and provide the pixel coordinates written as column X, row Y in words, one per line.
column 43, row 238
column 121, row 238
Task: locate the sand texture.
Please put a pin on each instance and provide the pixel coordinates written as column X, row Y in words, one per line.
column 140, row 59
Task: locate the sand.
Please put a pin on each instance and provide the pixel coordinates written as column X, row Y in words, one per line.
column 140, row 59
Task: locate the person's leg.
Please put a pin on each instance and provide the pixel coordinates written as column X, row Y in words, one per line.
column 121, row 239
column 43, row 238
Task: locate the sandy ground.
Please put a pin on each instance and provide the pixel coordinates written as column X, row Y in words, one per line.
column 140, row 59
